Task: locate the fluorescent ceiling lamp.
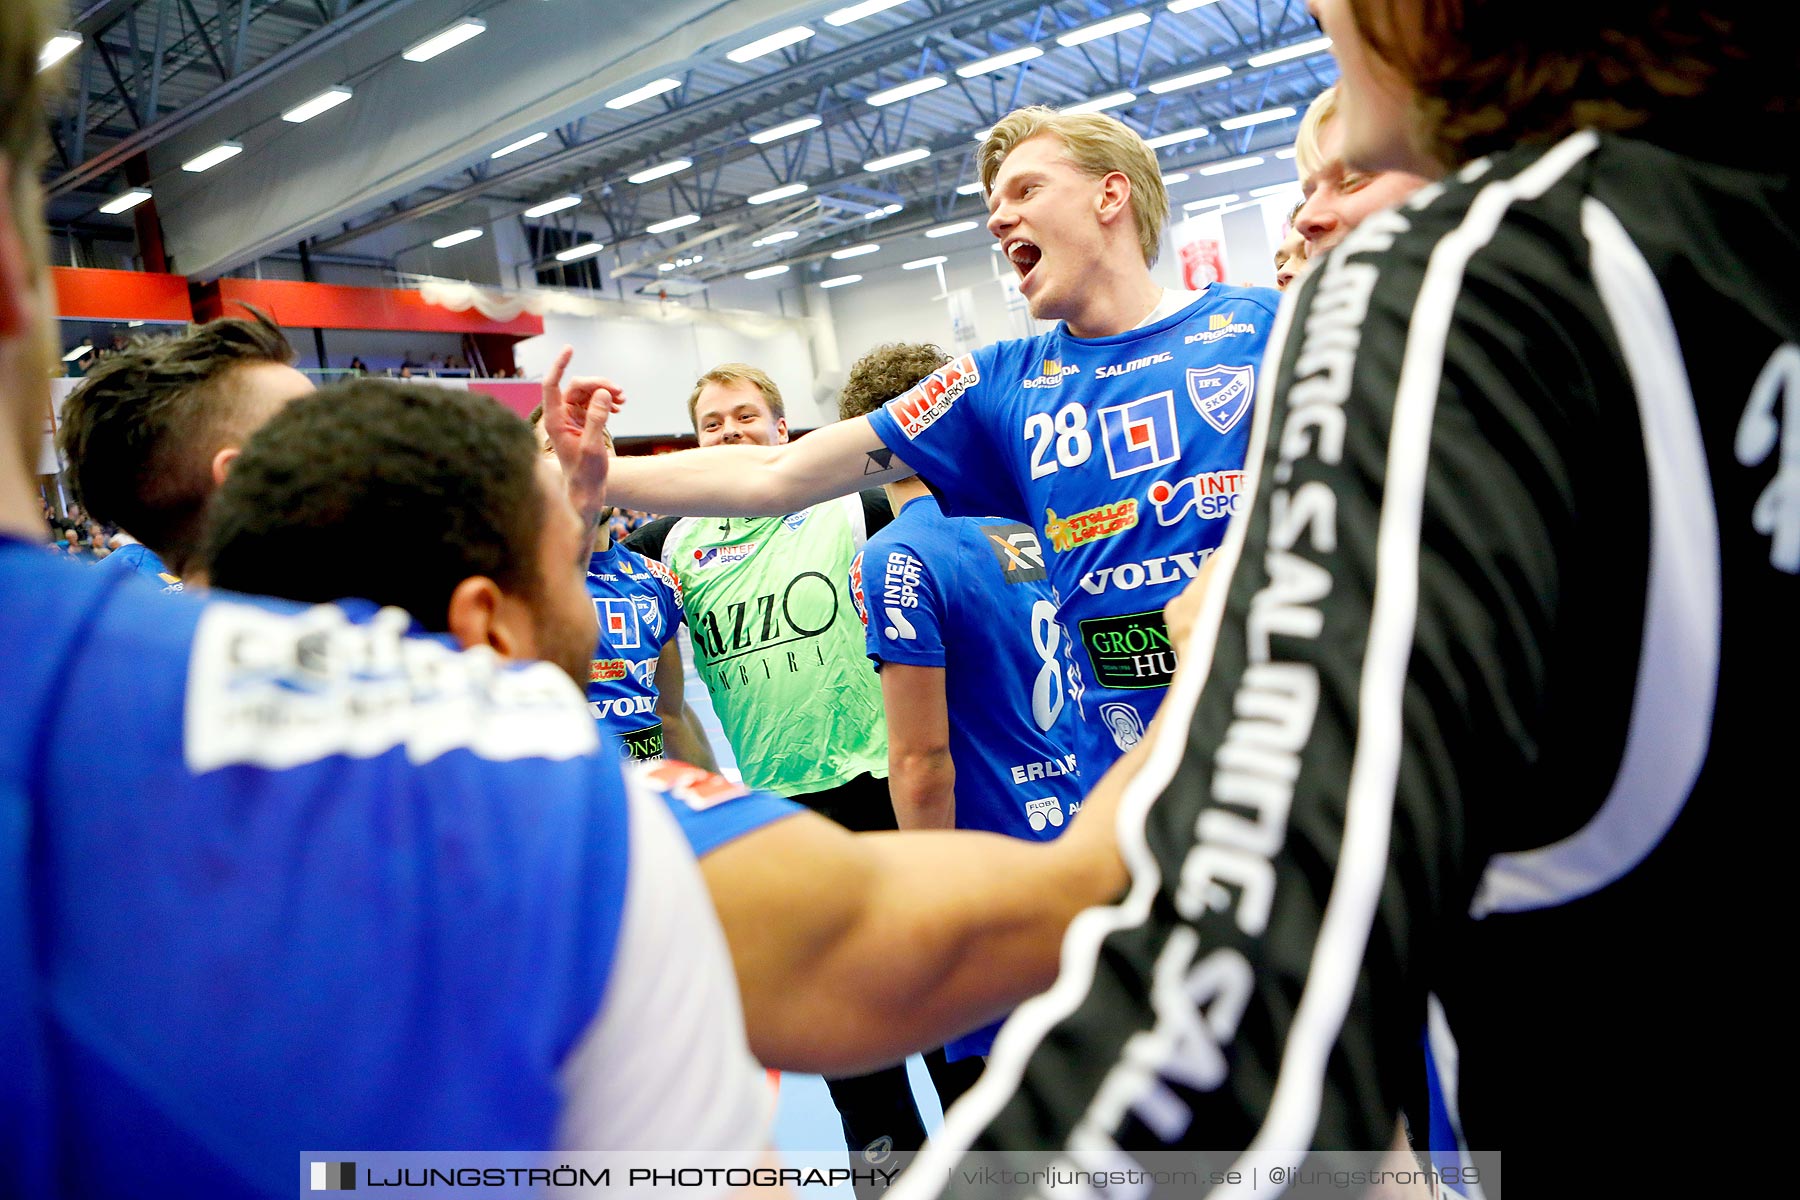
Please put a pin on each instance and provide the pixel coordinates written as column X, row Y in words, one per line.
column 952, row 228
column 1256, row 118
column 856, row 251
column 655, row 87
column 523, row 142
column 449, row 39
column 456, row 239
column 786, row 235
column 1285, row 153
column 857, row 12
column 1102, row 103
column 553, row 206
column 907, row 91
column 325, row 101
column 1190, row 80
column 999, row 62
column 969, row 189
column 1299, row 50
column 672, row 167
column 1181, row 6
column 876, row 215
column 765, row 272
column 665, row 266
column 898, row 160
column 788, row 130
column 1274, row 189
column 1232, row 164
column 680, row 222
column 780, row 193
column 770, row 44
column 1210, row 202
column 1106, row 28
column 55, row 50
column 1175, row 177
column 585, row 250
column 78, row 352
column 840, row 281
column 126, row 201
column 916, row 263
column 1180, row 135
column 213, row 157
column 890, row 209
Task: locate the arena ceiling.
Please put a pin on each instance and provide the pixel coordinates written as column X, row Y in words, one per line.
column 670, row 129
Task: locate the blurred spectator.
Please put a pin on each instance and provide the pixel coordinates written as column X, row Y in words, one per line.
column 359, row 366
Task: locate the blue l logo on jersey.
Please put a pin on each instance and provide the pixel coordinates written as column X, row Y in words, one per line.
column 1222, row 394
column 1140, row 435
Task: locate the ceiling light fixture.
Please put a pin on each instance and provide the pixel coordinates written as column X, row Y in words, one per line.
column 969, row 189
column 324, row 102
column 126, row 201
column 765, row 272
column 457, row 238
column 906, row 91
column 448, row 39
column 999, row 62
column 770, row 44
column 680, row 222
column 1181, row 6
column 916, row 263
column 585, row 250
column 1163, row 87
column 552, row 206
column 780, row 193
column 1106, row 28
column 655, row 87
column 788, row 130
column 213, row 157
column 954, row 227
column 857, row 12
column 1210, row 202
column 1177, row 137
column 898, row 160
column 786, row 235
column 1257, row 118
column 1274, row 189
column 855, row 251
column 840, row 281
column 523, row 142
column 1233, row 164
column 672, row 167
column 59, row 47
column 1174, row 177
column 1102, row 103
column 1299, row 50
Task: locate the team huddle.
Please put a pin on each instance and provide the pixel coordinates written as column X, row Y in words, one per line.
column 1229, row 723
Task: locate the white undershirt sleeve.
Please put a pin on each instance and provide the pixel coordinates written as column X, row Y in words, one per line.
column 665, row 1064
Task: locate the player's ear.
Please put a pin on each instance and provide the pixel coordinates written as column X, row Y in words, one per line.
column 221, row 463
column 1114, row 200
column 781, row 432
column 481, row 614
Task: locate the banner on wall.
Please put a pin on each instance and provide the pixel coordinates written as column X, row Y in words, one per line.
column 1202, row 262
column 962, row 319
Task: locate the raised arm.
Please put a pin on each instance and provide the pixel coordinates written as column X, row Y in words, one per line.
column 753, row 481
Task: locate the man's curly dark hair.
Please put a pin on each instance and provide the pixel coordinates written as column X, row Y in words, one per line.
column 141, row 430
column 385, row 491
column 884, row 373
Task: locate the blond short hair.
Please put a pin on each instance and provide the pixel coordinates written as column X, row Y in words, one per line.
column 727, row 374
column 1098, row 145
column 1308, row 158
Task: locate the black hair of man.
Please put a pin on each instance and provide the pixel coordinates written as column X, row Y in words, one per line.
column 380, row 490
column 141, row 431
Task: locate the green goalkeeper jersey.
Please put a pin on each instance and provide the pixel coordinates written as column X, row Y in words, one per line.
column 778, row 641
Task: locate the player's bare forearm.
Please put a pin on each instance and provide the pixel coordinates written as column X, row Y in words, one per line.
column 756, row 480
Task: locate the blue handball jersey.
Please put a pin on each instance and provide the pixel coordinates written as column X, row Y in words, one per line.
column 1125, row 453
column 279, row 879
column 135, row 556
column 638, row 604
column 969, row 595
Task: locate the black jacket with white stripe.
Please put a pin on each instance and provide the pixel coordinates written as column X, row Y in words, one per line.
column 1499, row 731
